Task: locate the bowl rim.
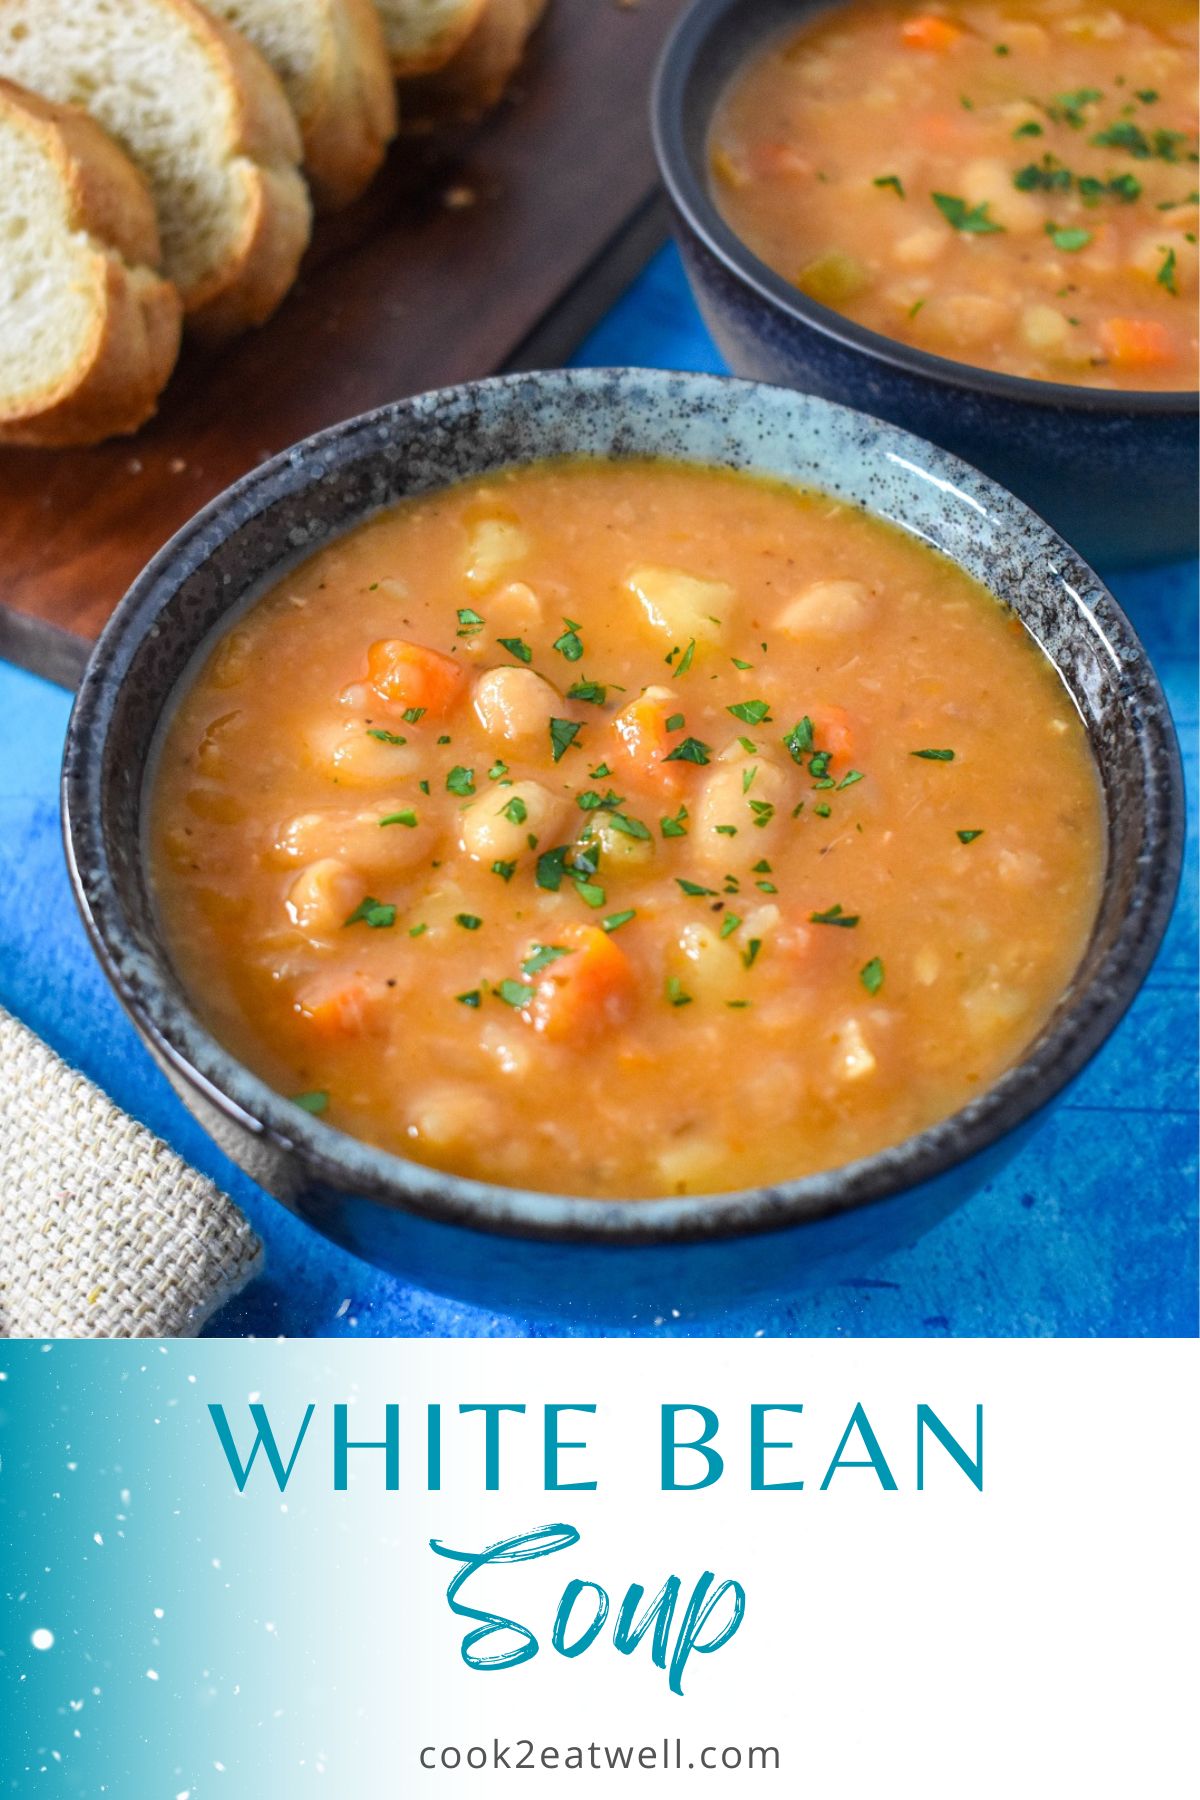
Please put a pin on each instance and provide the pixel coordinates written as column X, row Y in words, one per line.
column 692, row 200
column 334, row 1159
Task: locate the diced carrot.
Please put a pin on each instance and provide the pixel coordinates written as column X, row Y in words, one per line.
column 406, row 676
column 643, row 738
column 587, row 991
column 336, row 1006
column 833, row 729
column 927, row 32
column 1137, row 343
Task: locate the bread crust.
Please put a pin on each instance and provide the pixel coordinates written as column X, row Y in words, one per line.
column 474, row 79
column 438, row 50
column 354, row 119
column 117, row 378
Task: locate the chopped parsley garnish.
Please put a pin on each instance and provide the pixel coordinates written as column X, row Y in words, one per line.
column 412, row 715
column 799, row 740
column 406, row 817
column 962, row 217
column 749, row 746
column 1147, row 96
column 600, row 771
column 693, row 889
column 590, row 893
column 314, row 1102
column 818, row 768
column 726, row 830
column 871, row 975
column 591, row 801
column 551, row 866
column 834, row 916
column 968, row 837
column 1122, row 187
column 497, row 771
column 563, row 733
column 615, row 921
column 1030, row 128
column 1166, row 274
column 541, row 956
column 1049, row 176
column 685, row 661
column 748, row 778
column 1067, row 109
column 675, row 993
column 690, row 751
column 675, row 827
column 729, row 925
column 570, row 644
column 515, row 810
column 593, row 691
column 444, row 739
column 461, row 780
column 514, row 993
column 766, row 887
column 469, row 622
column 763, row 811
column 739, row 664
column 890, row 181
column 517, row 647
column 1068, row 237
column 1165, row 146
column 761, row 868
column 676, row 722
column 751, row 712
column 372, row 912
column 628, row 827
column 505, row 870
column 474, row 998
column 934, row 755
column 849, row 778
column 415, row 931
column 386, row 737
column 468, row 921
column 750, row 953
column 424, row 786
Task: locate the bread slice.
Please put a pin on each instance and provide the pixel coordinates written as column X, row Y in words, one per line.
column 477, row 74
column 423, row 35
column 332, row 58
column 89, row 330
column 205, row 119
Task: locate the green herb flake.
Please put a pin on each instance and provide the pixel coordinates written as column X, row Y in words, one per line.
column 514, row 993
column 468, row 921
column 589, row 893
column 676, row 722
column 1069, row 237
column 516, row 647
column 570, row 644
column 372, row 912
column 822, row 811
column 729, row 925
column 934, row 755
column 314, row 1102
column 693, row 889
column 592, row 691
column 405, row 817
column 551, row 866
column 615, row 920
column 968, row 837
column 871, row 975
column 461, row 780
column 834, row 916
column 672, row 828
column 1030, row 128
column 1166, row 274
column 412, row 715
column 799, row 740
column 890, row 181
column 750, row 953
column 515, row 810
column 691, row 750
column 763, row 812
column 416, row 931
column 849, row 778
column 1147, row 96
column 469, row 622
column 497, row 771
column 563, row 733
column 386, row 737
column 675, row 993
column 505, row 870
column 725, row 830
column 739, row 664
column 961, row 217
column 600, row 771
column 632, row 828
column 474, row 998
column 444, row 739
column 685, row 661
column 751, row 712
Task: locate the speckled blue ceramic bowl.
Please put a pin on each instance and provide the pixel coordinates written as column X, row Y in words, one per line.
column 1116, row 473
column 616, row 1260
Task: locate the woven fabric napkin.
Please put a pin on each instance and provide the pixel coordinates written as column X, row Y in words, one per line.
column 104, row 1230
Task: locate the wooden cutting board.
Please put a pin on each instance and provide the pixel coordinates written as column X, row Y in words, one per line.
column 490, row 248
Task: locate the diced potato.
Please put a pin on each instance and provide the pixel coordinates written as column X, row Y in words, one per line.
column 345, row 751
column 986, row 180
column 516, row 705
column 449, row 1120
column 494, row 548
column 359, row 838
column 1105, row 27
column 1044, row 328
column 322, row 897
column 1151, row 253
column 748, row 794
column 918, row 249
column 512, row 611
column 834, row 277
column 853, row 1058
column 826, row 609
column 681, row 607
column 691, row 1165
column 992, row 1009
column 500, row 822
column 709, row 966
column 960, row 321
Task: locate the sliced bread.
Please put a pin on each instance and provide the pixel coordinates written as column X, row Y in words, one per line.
column 423, row 35
column 332, row 58
column 205, row 119
column 89, row 330
column 477, row 74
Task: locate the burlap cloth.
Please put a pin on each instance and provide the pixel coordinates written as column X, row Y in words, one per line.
column 104, row 1230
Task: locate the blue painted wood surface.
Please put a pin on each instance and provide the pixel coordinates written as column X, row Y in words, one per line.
column 1090, row 1231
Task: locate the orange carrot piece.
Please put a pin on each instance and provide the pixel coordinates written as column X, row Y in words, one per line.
column 833, row 729
column 406, row 676
column 336, row 1006
column 928, row 32
column 643, row 738
column 587, row 991
column 1137, row 343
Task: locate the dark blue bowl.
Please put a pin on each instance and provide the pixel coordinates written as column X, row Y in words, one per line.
column 614, row 1260
column 1115, row 473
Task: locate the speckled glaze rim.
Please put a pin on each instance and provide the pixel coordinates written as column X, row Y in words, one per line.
column 149, row 990
column 689, row 194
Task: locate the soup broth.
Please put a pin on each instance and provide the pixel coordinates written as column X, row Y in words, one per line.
column 1012, row 186
column 627, row 829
